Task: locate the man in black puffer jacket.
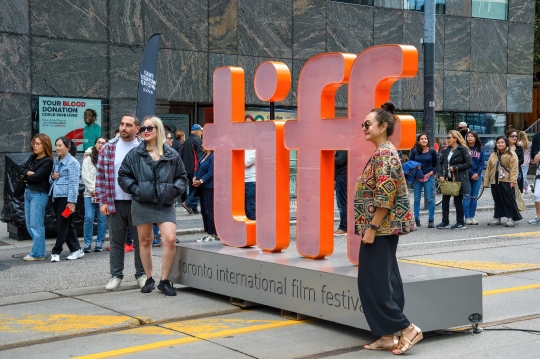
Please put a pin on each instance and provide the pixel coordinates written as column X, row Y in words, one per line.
column 191, row 153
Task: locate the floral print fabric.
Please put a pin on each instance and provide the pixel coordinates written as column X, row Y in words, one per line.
column 382, row 184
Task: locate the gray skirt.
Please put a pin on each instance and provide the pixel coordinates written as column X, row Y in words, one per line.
column 142, row 213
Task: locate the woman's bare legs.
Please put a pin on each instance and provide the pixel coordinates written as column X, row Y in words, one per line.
column 146, row 235
column 168, row 237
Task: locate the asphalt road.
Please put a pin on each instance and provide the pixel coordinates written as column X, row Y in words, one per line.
column 196, row 324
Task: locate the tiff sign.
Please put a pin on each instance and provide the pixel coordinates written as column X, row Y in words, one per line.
column 315, row 134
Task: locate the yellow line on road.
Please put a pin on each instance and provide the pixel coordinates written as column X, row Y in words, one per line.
column 61, row 323
column 512, row 289
column 204, row 329
column 473, row 265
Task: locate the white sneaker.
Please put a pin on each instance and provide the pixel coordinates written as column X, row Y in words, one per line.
column 210, row 238
column 141, row 280
column 76, row 255
column 474, row 221
column 510, row 223
column 469, row 221
column 55, row 257
column 113, row 283
column 203, row 238
column 534, row 221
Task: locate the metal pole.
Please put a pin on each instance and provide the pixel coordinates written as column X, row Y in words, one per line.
column 272, row 111
column 429, row 73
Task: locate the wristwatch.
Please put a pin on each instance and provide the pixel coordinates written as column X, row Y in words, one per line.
column 374, row 227
column 201, row 180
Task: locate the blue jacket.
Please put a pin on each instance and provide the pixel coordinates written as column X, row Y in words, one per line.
column 410, row 168
column 205, row 171
column 427, row 160
column 67, row 185
column 477, row 162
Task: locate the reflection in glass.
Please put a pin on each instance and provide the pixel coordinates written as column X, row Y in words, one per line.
column 418, row 5
column 490, row 9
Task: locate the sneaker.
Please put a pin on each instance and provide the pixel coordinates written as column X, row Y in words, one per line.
column 210, row 238
column 177, row 240
column 474, row 221
column 113, row 283
column 203, row 238
column 76, row 255
column 187, row 208
column 534, row 221
column 340, row 232
column 148, row 286
column 468, row 221
column 55, row 257
column 418, row 224
column 443, row 226
column 87, row 248
column 431, row 224
column 157, row 242
column 496, row 222
column 166, row 287
column 128, row 248
column 29, row 258
column 98, row 248
column 141, row 280
column 459, row 226
column 510, row 223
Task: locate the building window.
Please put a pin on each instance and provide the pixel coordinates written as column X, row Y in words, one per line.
column 418, row 5
column 359, row 2
column 490, row 9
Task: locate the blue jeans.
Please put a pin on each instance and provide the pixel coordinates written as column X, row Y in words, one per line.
column 250, row 200
column 341, row 199
column 192, row 202
column 470, row 200
column 34, row 213
column 430, row 195
column 91, row 210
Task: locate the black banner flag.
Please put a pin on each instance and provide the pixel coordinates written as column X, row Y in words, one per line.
column 146, row 96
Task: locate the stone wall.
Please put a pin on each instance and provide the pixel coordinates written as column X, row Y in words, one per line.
column 92, row 48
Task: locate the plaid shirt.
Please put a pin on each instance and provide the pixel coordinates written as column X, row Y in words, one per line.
column 105, row 174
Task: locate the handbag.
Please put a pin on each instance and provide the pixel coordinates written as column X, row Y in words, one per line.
column 519, row 200
column 450, row 187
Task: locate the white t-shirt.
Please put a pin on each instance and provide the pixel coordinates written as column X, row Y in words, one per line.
column 249, row 159
column 450, row 156
column 122, row 148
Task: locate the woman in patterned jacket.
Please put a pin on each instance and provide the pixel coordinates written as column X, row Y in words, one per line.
column 382, row 214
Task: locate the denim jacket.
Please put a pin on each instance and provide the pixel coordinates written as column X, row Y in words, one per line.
column 67, row 185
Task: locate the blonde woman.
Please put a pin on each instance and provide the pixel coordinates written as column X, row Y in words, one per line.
column 523, row 141
column 454, row 162
column 154, row 175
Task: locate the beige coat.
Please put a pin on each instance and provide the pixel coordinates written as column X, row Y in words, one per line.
column 509, row 160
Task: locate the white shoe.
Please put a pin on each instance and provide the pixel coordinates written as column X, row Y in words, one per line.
column 468, row 221
column 113, row 283
column 510, row 223
column 76, row 255
column 141, row 281
column 203, row 238
column 55, row 257
column 474, row 221
column 210, row 238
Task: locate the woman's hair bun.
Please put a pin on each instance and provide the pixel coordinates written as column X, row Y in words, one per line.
column 388, row 106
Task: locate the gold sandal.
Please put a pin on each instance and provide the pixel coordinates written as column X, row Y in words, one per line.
column 384, row 343
column 405, row 343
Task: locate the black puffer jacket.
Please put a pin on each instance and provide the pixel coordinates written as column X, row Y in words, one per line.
column 150, row 182
column 461, row 161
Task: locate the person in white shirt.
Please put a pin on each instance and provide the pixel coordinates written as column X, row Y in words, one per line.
column 250, row 186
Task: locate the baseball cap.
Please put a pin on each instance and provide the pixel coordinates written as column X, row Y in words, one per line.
column 462, row 124
column 196, row 127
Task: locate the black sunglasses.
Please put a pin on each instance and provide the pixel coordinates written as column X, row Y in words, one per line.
column 365, row 125
column 449, row 137
column 513, row 136
column 148, row 128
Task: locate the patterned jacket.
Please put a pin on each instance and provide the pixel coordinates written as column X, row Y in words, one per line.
column 105, row 174
column 382, row 184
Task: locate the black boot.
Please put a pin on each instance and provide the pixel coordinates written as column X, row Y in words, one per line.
column 418, row 223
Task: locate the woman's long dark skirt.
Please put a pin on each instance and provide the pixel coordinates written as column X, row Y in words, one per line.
column 380, row 286
column 504, row 197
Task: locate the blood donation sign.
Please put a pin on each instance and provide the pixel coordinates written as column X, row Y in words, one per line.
column 78, row 119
